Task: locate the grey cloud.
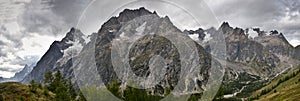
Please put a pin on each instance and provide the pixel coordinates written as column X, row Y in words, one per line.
column 9, row 69
column 293, row 5
column 266, row 14
column 26, row 60
column 2, row 43
column 51, row 17
column 250, row 12
column 70, row 10
column 2, row 53
column 15, row 39
column 34, row 44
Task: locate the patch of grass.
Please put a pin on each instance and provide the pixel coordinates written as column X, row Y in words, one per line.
column 14, row 91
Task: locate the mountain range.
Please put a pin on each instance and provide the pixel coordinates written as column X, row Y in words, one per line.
column 251, row 62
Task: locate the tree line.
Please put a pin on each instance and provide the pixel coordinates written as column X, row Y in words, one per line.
column 62, row 88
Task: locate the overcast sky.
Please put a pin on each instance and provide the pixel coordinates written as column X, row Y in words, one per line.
column 28, row 27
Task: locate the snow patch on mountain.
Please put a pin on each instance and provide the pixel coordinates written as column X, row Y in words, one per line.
column 207, row 37
column 86, row 39
column 252, row 34
column 194, row 37
column 71, row 52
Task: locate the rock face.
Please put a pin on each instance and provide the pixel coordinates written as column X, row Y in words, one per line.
column 276, row 43
column 56, row 57
column 297, row 52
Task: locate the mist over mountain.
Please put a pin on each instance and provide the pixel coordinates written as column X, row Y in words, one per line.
column 19, row 76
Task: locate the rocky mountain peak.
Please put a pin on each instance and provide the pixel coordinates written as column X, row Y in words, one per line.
column 127, row 14
column 199, row 31
column 26, row 66
column 282, row 37
column 297, row 47
column 72, row 35
column 224, row 26
column 58, row 50
column 114, row 23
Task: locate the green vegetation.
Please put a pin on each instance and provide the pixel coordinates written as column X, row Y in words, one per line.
column 63, row 89
column 113, row 92
column 251, row 83
column 285, row 87
column 13, row 91
column 131, row 93
column 55, row 88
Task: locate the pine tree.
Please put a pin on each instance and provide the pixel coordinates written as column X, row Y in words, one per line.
column 62, row 94
column 61, row 89
column 57, row 82
column 48, row 77
column 81, row 97
column 33, row 86
column 71, row 90
column 48, row 80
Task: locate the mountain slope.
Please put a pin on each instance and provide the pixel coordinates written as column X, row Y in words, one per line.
column 19, row 76
column 57, row 56
column 285, row 87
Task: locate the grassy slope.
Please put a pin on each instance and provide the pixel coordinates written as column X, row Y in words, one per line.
column 13, row 91
column 286, row 91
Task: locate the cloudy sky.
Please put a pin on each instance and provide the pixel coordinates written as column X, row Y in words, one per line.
column 28, row 27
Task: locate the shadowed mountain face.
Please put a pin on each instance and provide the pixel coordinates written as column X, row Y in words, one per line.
column 250, row 62
column 297, row 52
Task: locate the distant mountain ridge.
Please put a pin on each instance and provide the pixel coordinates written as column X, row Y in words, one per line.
column 19, row 76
